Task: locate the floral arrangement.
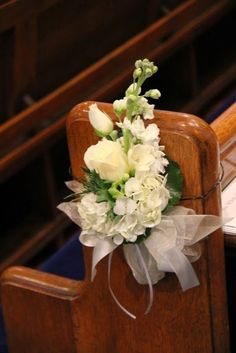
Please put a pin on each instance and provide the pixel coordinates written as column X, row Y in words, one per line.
column 131, row 193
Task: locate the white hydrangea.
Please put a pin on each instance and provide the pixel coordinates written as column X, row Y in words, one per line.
column 129, row 227
column 149, row 216
column 141, row 207
column 93, row 214
column 124, row 205
column 133, row 187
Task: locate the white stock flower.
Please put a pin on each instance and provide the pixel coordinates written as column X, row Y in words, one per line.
column 146, row 109
column 147, row 135
column 160, row 162
column 108, row 159
column 151, row 133
column 120, row 105
column 141, row 158
column 99, row 120
column 132, row 89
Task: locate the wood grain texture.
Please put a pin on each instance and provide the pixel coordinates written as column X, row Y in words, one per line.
column 225, row 129
column 190, row 142
column 194, row 321
column 49, row 308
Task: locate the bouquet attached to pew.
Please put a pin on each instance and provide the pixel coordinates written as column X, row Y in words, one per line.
column 130, row 195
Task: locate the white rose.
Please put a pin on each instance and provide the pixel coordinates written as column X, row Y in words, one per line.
column 99, row 120
column 108, row 159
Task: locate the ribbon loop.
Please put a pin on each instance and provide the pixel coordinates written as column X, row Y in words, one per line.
column 178, row 263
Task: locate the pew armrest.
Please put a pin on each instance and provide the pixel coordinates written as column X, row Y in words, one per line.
column 38, row 310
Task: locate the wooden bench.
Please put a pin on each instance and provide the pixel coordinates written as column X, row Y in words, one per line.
column 32, row 143
column 56, row 314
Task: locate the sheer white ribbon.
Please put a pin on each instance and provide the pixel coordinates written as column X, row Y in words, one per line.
column 171, row 247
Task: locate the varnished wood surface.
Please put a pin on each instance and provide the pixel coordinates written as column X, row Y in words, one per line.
column 225, row 128
column 26, row 137
column 194, row 321
column 186, row 138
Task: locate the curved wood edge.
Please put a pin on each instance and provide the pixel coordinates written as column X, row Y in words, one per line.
column 225, row 127
column 42, row 282
column 194, row 125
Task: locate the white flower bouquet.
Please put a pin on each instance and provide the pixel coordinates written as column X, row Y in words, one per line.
column 131, row 191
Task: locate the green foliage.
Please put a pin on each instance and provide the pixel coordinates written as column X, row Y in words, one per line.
column 98, row 186
column 174, row 184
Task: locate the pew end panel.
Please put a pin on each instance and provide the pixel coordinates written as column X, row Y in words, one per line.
column 225, row 129
column 42, row 316
column 194, row 321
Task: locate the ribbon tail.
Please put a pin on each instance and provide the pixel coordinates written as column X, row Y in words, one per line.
column 127, row 312
column 174, row 259
column 101, row 250
column 147, row 277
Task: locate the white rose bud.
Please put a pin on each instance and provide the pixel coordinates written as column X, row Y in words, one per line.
column 100, row 121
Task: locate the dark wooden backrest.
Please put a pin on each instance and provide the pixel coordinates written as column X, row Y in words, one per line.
column 58, row 315
column 199, row 314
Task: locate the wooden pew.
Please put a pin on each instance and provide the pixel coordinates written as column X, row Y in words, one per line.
column 225, row 129
column 30, row 139
column 56, row 314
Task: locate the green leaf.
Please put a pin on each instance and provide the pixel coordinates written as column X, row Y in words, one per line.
column 174, row 184
column 94, row 183
column 100, row 133
column 103, row 195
